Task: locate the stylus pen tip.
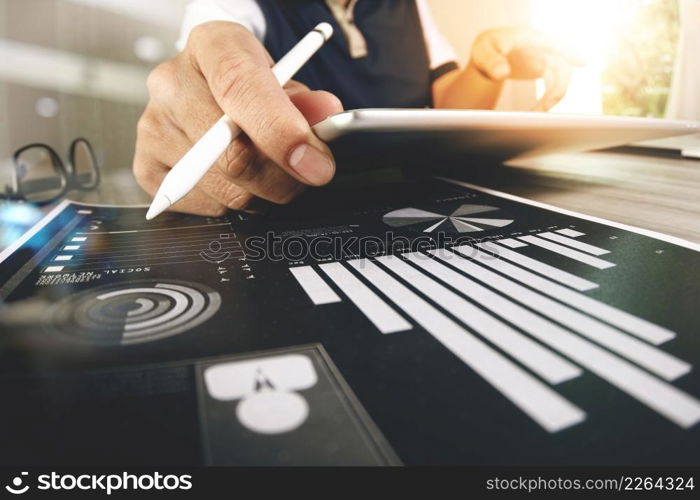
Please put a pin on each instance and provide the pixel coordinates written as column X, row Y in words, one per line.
column 159, row 205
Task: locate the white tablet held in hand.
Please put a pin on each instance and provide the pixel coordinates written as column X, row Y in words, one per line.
column 370, row 138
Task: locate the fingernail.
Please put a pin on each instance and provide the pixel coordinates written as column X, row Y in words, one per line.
column 313, row 165
column 500, row 71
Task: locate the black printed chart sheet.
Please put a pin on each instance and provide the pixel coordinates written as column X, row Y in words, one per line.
column 419, row 322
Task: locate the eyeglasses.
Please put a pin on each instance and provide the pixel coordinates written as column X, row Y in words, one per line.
column 41, row 177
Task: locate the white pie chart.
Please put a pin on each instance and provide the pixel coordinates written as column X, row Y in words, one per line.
column 467, row 218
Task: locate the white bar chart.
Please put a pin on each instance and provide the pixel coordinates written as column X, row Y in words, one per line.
column 385, row 318
column 540, row 360
column 634, row 349
column 629, row 322
column 512, row 243
column 318, row 291
column 571, row 233
column 676, row 405
column 541, row 403
column 578, row 245
column 512, row 318
column 568, row 252
column 551, row 272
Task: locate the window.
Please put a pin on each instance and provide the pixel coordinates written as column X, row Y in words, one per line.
column 630, row 46
column 637, row 78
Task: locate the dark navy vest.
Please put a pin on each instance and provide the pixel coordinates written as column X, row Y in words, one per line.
column 395, row 73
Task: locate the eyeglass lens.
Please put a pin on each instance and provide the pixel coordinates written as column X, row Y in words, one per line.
column 84, row 167
column 39, row 175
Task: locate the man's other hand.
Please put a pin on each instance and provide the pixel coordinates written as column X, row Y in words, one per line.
column 522, row 53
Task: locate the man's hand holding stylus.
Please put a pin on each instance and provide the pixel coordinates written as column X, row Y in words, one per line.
column 225, row 69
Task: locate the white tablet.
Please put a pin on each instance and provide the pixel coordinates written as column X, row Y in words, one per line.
column 368, row 138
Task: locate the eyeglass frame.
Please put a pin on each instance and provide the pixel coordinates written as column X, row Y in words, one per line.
column 67, row 171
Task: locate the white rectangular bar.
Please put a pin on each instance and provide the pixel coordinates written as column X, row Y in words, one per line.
column 578, row 245
column 374, row 308
column 63, row 257
column 71, row 247
column 79, row 238
column 625, row 321
column 551, row 272
column 650, row 357
column 84, row 211
column 568, row 252
column 533, row 355
column 679, row 407
column 570, row 233
column 318, row 290
column 538, row 401
column 53, row 269
column 512, row 243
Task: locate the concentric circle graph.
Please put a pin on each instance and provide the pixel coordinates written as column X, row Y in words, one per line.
column 140, row 311
column 467, row 218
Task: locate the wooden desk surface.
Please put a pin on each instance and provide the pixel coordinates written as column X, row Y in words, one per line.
column 652, row 192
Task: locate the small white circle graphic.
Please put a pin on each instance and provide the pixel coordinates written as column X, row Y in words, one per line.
column 272, row 411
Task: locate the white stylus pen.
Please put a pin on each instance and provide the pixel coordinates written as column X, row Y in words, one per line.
column 191, row 168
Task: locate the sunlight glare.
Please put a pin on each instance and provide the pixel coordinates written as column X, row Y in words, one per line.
column 589, row 28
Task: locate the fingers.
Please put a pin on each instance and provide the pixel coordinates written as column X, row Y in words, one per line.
column 243, row 164
column 527, row 64
column 155, row 135
column 316, row 105
column 149, row 174
column 556, row 80
column 184, row 104
column 243, row 167
column 245, row 88
column 529, row 55
column 490, row 58
column 238, row 176
column 293, row 87
column 519, row 53
column 543, row 43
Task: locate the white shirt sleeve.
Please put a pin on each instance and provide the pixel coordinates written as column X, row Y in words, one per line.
column 245, row 12
column 440, row 51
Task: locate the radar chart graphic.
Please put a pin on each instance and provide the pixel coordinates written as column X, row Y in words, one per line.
column 140, row 311
column 465, row 219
